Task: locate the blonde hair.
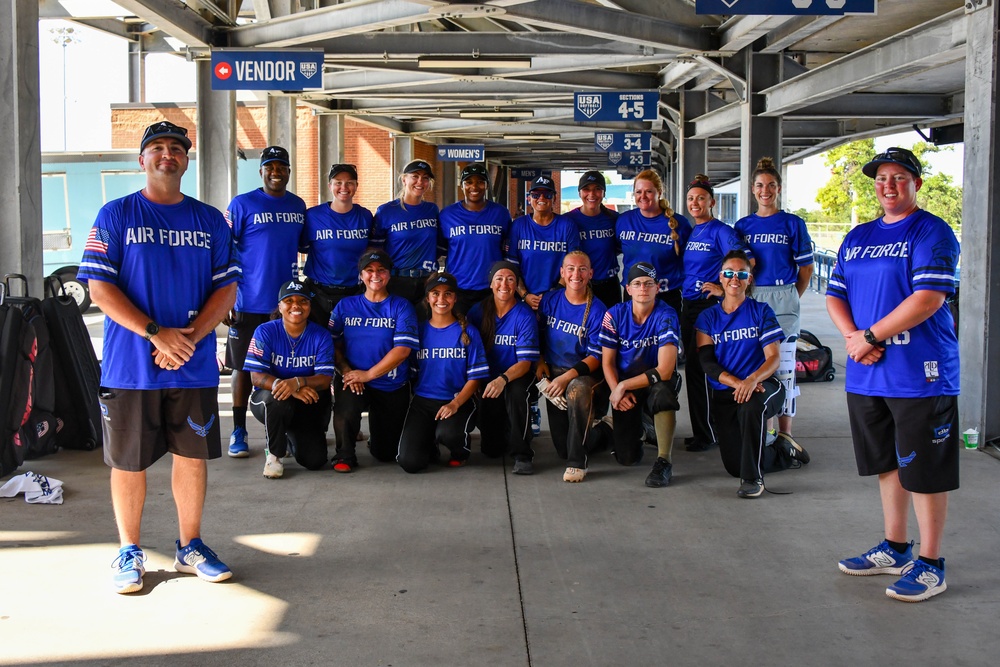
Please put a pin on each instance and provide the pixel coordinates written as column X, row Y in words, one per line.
column 590, row 293
column 654, row 178
column 402, row 189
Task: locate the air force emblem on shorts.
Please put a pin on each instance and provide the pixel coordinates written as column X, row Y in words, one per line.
column 104, row 412
column 931, row 371
column 905, row 460
column 201, row 430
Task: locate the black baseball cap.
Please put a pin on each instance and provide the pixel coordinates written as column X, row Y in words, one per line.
column 371, row 256
column 543, row 183
column 341, row 168
column 894, row 155
column 438, row 279
column 475, row 169
column 641, row 270
column 274, row 154
column 295, row 288
column 418, row 165
column 592, row 178
column 165, row 129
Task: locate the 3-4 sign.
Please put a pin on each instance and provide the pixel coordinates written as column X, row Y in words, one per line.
column 621, row 106
column 623, row 141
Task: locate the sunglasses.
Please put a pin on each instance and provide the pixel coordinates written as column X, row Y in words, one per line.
column 900, row 156
column 541, row 195
column 165, row 126
column 740, row 275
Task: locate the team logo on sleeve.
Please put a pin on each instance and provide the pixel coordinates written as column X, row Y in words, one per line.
column 201, row 430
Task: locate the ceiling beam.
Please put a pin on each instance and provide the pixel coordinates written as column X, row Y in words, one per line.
column 174, row 18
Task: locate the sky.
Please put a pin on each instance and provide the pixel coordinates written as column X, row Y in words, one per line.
column 96, row 76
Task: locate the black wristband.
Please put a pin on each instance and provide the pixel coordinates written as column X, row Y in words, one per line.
column 506, row 380
column 581, row 368
column 653, row 376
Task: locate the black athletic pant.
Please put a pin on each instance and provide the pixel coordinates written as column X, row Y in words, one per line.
column 570, row 429
column 410, row 288
column 467, row 298
column 422, row 434
column 305, row 423
column 326, row 297
column 628, row 430
column 504, row 426
column 694, row 374
column 386, row 412
column 608, row 291
column 741, row 429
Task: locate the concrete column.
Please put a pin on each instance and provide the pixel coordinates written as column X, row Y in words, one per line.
column 759, row 136
column 447, row 182
column 692, row 156
column 281, row 128
column 979, row 333
column 331, row 149
column 136, row 70
column 216, row 150
column 21, row 191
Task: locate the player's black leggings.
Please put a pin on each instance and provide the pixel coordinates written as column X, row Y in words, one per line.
column 741, row 429
column 422, row 433
column 572, row 434
column 504, row 427
column 386, row 412
column 628, row 429
column 694, row 374
column 305, row 422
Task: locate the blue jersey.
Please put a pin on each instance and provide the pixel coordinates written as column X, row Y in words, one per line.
column 369, row 330
column 566, row 337
column 740, row 336
column 408, row 233
column 515, row 336
column 708, row 243
column 276, row 353
column 638, row 345
column 334, row 242
column 444, row 364
column 643, row 239
column 597, row 239
column 167, row 259
column 879, row 265
column 540, row 250
column 780, row 244
column 266, row 233
column 473, row 241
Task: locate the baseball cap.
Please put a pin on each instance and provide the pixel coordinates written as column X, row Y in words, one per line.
column 418, row 165
column 641, row 270
column 475, row 169
column 165, row 129
column 543, row 183
column 372, row 256
column 894, row 155
column 592, row 178
column 295, row 288
column 340, row 168
column 274, row 154
column 438, row 279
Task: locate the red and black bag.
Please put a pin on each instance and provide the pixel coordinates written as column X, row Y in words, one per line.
column 813, row 360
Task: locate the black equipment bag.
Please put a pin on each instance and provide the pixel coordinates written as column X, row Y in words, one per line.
column 39, row 433
column 813, row 360
column 17, row 355
column 76, row 370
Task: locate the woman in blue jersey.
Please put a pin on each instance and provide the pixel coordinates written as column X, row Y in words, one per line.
column 709, row 242
column 783, row 258
column 509, row 330
column 539, row 241
column 450, row 363
column 639, row 359
column 571, row 361
column 335, row 235
column 472, row 235
column 290, row 361
column 596, row 223
column 652, row 232
column 408, row 230
column 373, row 334
column 738, row 348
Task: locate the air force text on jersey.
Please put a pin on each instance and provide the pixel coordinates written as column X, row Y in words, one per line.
column 175, row 238
column 265, row 217
column 897, row 249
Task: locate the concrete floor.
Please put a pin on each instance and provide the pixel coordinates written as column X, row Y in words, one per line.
column 479, row 567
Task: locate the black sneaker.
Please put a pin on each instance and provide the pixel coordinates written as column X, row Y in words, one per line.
column 660, row 475
column 698, row 445
column 751, row 488
column 792, row 449
column 523, row 467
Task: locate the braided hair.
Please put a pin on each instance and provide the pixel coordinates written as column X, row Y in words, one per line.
column 590, row 293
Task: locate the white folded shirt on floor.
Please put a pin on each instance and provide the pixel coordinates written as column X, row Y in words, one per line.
column 36, row 489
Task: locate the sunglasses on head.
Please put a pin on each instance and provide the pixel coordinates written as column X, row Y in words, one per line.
column 541, row 195
column 897, row 155
column 741, row 275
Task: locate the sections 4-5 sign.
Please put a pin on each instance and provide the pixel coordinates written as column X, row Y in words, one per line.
column 785, row 7
column 634, row 105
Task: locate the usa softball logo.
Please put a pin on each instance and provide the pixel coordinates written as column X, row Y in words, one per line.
column 223, row 70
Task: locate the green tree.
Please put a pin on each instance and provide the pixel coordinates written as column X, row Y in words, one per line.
column 848, row 195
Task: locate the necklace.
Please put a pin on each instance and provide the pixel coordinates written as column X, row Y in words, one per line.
column 292, row 342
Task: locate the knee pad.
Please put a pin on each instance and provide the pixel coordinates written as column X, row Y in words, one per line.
column 786, row 375
column 663, row 396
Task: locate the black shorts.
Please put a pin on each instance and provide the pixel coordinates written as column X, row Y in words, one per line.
column 141, row 425
column 240, row 332
column 917, row 436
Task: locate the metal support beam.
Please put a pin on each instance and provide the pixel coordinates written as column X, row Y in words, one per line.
column 402, row 153
column 760, row 136
column 692, row 151
column 136, row 71
column 331, row 149
column 174, row 18
column 979, row 334
column 281, row 129
column 216, row 138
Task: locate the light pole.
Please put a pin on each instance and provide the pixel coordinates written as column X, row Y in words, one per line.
column 64, row 36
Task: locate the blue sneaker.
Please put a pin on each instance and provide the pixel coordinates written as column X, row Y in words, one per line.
column 921, row 581
column 536, row 418
column 197, row 558
column 880, row 559
column 129, row 569
column 238, row 446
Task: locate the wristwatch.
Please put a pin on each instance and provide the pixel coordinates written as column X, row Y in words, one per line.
column 151, row 330
column 870, row 337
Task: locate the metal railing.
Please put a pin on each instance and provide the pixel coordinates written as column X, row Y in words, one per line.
column 824, row 260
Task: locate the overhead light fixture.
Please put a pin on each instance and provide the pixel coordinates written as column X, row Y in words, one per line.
column 473, row 62
column 532, row 137
column 496, row 114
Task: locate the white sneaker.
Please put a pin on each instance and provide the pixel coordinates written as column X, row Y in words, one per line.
column 273, row 467
column 574, row 475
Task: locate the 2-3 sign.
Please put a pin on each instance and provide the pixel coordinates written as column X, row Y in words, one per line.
column 621, row 106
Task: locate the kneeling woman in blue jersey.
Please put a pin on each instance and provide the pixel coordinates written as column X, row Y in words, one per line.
column 571, row 351
column 373, row 335
column 510, row 335
column 738, row 347
column 450, row 363
column 290, row 362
